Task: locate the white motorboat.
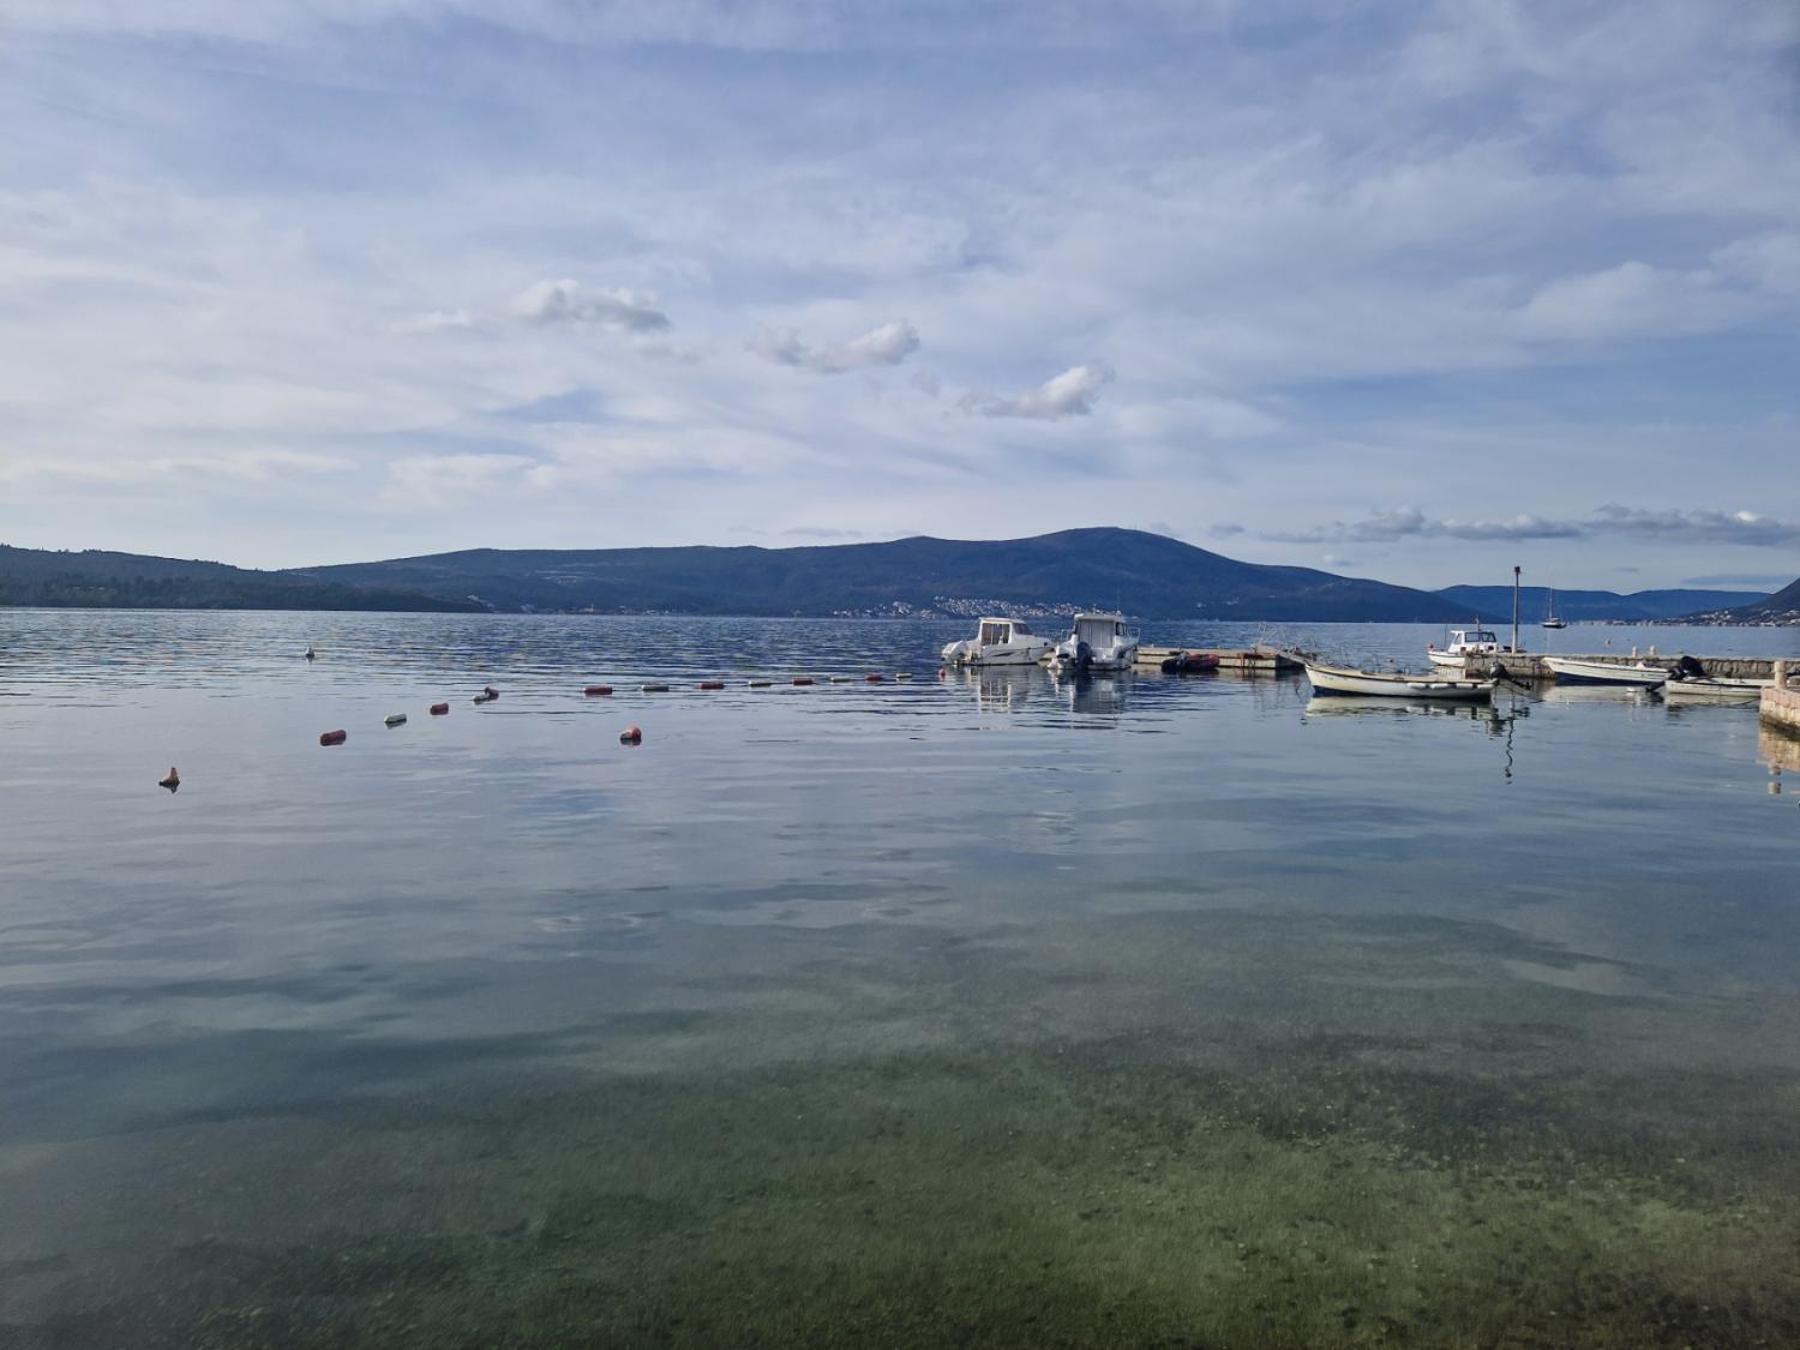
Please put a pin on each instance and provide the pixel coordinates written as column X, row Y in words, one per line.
column 1374, row 684
column 1715, row 689
column 999, row 642
column 1097, row 642
column 1576, row 670
column 1688, row 679
column 1464, row 643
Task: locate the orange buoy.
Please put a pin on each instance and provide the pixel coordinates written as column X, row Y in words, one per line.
column 712, row 684
column 598, row 690
column 440, row 710
column 632, row 735
column 172, row 782
column 803, row 679
column 334, row 738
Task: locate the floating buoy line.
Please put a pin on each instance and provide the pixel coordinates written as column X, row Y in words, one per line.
column 632, row 735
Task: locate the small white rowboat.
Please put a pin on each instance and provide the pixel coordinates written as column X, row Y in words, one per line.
column 1572, row 670
column 1715, row 689
column 1371, row 684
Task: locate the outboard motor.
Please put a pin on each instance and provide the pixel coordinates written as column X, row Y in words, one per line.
column 1687, row 668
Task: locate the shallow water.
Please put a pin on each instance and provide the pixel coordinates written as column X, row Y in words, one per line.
column 996, row 1009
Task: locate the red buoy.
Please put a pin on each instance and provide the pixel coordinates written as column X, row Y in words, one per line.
column 334, row 738
column 803, row 679
column 172, row 782
column 871, row 679
column 598, row 690
column 632, row 735
column 712, row 684
column 440, row 710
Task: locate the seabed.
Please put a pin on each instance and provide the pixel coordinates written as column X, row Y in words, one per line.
column 1198, row 1129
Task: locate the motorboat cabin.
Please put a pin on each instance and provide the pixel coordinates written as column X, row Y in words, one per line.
column 999, row 642
column 1464, row 644
column 1098, row 642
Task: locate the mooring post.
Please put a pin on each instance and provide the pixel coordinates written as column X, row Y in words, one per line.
column 1515, row 644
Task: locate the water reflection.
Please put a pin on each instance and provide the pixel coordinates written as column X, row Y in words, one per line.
column 1099, row 695
column 1778, row 749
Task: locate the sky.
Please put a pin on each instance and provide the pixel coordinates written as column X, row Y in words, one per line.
column 1410, row 290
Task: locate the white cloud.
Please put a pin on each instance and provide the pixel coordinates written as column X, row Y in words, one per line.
column 565, row 301
column 887, row 345
column 1070, row 394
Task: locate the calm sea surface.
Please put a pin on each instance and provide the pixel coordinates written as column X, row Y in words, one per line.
column 992, row 1009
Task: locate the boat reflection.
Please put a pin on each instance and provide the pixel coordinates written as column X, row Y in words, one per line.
column 1337, row 705
column 1497, row 719
column 1599, row 693
column 1001, row 689
column 1105, row 694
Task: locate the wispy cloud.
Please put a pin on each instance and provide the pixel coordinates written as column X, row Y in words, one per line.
column 1666, row 526
column 1070, row 394
column 887, row 345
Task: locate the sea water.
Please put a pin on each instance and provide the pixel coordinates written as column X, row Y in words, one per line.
column 985, row 1009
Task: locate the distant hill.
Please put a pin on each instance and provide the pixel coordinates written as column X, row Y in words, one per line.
column 1147, row 575
column 1637, row 607
column 1782, row 608
column 96, row 579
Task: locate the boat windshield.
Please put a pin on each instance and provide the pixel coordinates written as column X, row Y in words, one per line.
column 996, row 633
column 1474, row 635
column 1097, row 630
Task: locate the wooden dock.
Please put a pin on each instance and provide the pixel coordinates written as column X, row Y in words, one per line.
column 1255, row 660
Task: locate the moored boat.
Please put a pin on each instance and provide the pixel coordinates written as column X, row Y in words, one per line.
column 999, row 642
column 1187, row 663
column 1376, row 684
column 1688, row 679
column 1098, row 641
column 1550, row 617
column 1464, row 643
column 1716, row 689
column 1578, row 670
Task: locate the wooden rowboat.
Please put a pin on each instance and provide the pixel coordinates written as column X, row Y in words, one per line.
column 1373, row 684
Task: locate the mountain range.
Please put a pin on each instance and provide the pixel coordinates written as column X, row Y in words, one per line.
column 1535, row 602
column 1782, row 608
column 98, row 579
column 1147, row 575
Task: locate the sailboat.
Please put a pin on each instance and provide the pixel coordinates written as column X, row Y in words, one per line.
column 1550, row 619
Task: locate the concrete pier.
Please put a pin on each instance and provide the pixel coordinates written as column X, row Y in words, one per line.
column 1530, row 665
column 1256, row 660
column 1781, row 705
